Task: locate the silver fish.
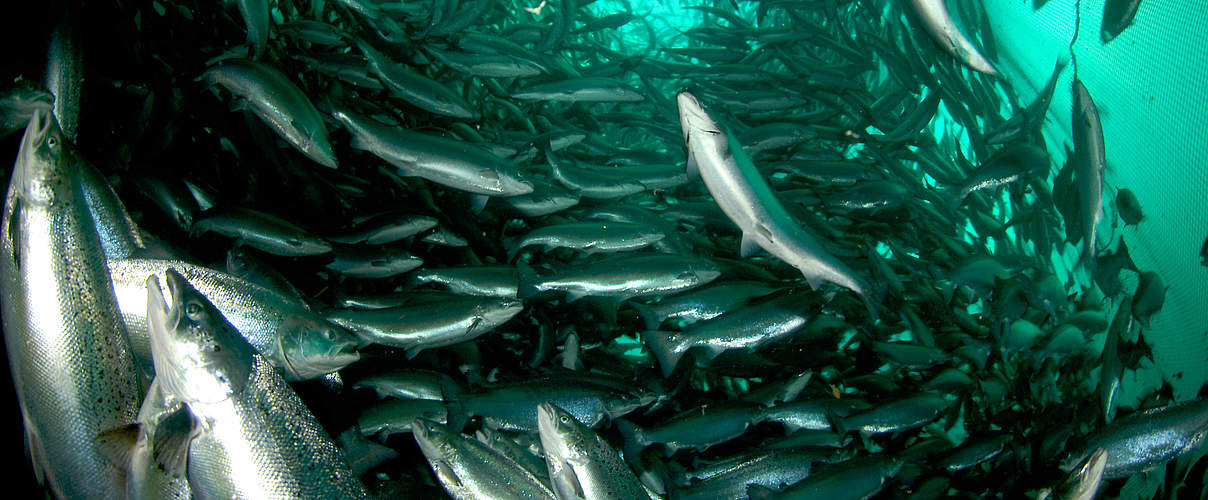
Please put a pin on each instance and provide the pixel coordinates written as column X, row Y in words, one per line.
column 1089, row 168
column 279, row 103
column 935, row 17
column 245, row 433
column 71, row 363
column 746, row 199
column 469, row 470
column 581, row 464
column 423, row 326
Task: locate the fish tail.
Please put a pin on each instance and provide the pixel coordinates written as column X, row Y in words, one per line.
column 757, row 492
column 649, row 316
column 662, row 347
column 528, row 281
column 634, row 437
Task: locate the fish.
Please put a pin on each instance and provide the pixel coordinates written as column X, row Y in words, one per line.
column 394, row 416
column 746, row 199
column 420, row 91
column 470, row 470
column 240, row 430
column 1145, row 440
column 387, row 227
column 1010, row 164
column 1150, row 296
column 262, row 231
column 1117, row 15
column 455, row 164
column 65, row 70
column 412, row 384
column 372, row 262
column 702, row 304
column 512, row 406
column 296, row 340
column 581, row 464
column 483, row 281
column 695, row 429
column 277, row 101
column 622, row 278
column 1129, row 207
column 857, row 478
column 258, row 23
column 750, row 327
column 590, row 89
column 419, row 327
column 1083, row 481
column 1089, row 170
column 939, row 24
column 72, row 367
column 589, row 237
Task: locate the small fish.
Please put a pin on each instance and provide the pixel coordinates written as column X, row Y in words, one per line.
column 1129, row 207
column 592, row 89
column 282, row 106
column 482, row 281
column 939, row 24
column 589, row 237
column 262, row 231
column 422, row 326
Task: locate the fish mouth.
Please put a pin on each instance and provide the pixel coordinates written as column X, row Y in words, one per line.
column 693, row 115
column 38, row 128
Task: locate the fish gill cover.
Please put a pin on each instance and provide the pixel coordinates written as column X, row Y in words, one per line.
column 755, row 248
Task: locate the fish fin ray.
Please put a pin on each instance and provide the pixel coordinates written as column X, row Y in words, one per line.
column 173, row 434
column 117, row 444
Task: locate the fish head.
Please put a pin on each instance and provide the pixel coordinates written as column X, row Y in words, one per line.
column 198, row 356
column 43, row 161
column 502, row 310
column 564, row 439
column 698, row 274
column 434, row 440
column 310, row 347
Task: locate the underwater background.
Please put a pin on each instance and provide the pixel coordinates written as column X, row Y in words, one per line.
column 856, row 84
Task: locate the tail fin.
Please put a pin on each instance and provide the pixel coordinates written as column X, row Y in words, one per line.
column 648, row 314
column 757, row 492
column 634, row 437
column 528, row 281
column 456, row 415
column 661, row 345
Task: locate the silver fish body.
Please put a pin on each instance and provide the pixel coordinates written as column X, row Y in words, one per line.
column 279, row 103
column 470, row 470
column 72, row 368
column 935, row 17
column 456, row 164
column 581, row 464
column 251, row 436
column 749, row 202
column 1089, row 164
column 423, row 326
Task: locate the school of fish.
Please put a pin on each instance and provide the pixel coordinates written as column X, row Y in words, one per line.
column 570, row 250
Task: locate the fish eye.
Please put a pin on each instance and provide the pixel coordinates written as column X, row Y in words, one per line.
column 193, row 311
column 52, row 141
column 564, row 419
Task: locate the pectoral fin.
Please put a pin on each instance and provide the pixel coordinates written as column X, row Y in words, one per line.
column 173, row 434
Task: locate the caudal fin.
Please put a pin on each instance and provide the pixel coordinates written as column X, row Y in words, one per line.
column 662, row 345
column 649, row 316
column 634, row 437
column 527, row 282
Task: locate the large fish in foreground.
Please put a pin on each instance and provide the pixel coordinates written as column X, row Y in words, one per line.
column 749, row 202
column 74, row 374
column 240, row 431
